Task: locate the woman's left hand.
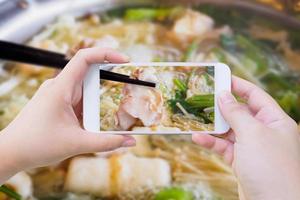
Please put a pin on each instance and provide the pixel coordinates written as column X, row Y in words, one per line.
column 48, row 130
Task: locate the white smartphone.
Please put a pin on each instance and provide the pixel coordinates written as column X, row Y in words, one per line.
column 184, row 100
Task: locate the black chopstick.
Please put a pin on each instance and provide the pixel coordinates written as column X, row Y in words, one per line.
column 106, row 73
column 31, row 55
column 21, row 53
column 123, row 78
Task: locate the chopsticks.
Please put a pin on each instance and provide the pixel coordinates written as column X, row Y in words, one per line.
column 21, row 53
column 123, row 78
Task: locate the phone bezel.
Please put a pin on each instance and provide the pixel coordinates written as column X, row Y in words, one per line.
column 91, row 95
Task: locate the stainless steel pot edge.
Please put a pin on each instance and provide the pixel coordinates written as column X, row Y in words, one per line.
column 29, row 21
column 32, row 19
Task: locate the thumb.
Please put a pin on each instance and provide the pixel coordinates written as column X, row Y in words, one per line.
column 236, row 115
column 100, row 142
column 75, row 71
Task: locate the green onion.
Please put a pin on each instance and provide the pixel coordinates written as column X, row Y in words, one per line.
column 191, row 50
column 174, row 193
column 182, row 109
column 144, row 14
column 180, row 85
column 10, row 193
column 148, row 14
column 201, row 101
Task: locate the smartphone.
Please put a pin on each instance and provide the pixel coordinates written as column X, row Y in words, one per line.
column 183, row 101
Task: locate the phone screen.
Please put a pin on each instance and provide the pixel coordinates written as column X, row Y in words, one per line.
column 183, row 100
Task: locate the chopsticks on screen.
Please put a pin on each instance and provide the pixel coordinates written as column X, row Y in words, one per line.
column 123, row 78
column 21, row 53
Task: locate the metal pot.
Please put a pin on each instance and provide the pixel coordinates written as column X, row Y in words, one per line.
column 20, row 19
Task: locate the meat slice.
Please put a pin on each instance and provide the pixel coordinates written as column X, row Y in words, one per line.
column 140, row 103
column 192, row 24
column 124, row 120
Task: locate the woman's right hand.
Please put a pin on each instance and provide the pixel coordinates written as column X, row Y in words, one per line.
column 263, row 145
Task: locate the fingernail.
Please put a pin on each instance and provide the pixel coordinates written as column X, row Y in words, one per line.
column 226, row 97
column 125, row 57
column 129, row 142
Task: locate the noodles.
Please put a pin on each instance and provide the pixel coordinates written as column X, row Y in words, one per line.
column 190, row 163
column 186, row 123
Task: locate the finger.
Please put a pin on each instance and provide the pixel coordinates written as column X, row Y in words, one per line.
column 78, row 66
column 78, row 108
column 256, row 98
column 97, row 142
column 236, row 115
column 230, row 136
column 262, row 104
column 56, row 72
column 220, row 146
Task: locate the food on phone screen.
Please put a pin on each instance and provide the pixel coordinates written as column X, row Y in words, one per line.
column 182, row 99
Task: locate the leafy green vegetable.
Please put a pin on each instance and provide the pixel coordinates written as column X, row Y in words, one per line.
column 211, row 116
column 10, row 193
column 258, row 62
column 275, row 82
column 180, row 95
column 201, row 101
column 112, row 14
column 193, row 105
column 249, row 48
column 290, row 102
column 180, row 98
column 174, row 193
column 228, row 42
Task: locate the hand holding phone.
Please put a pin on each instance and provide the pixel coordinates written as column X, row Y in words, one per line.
column 182, row 102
